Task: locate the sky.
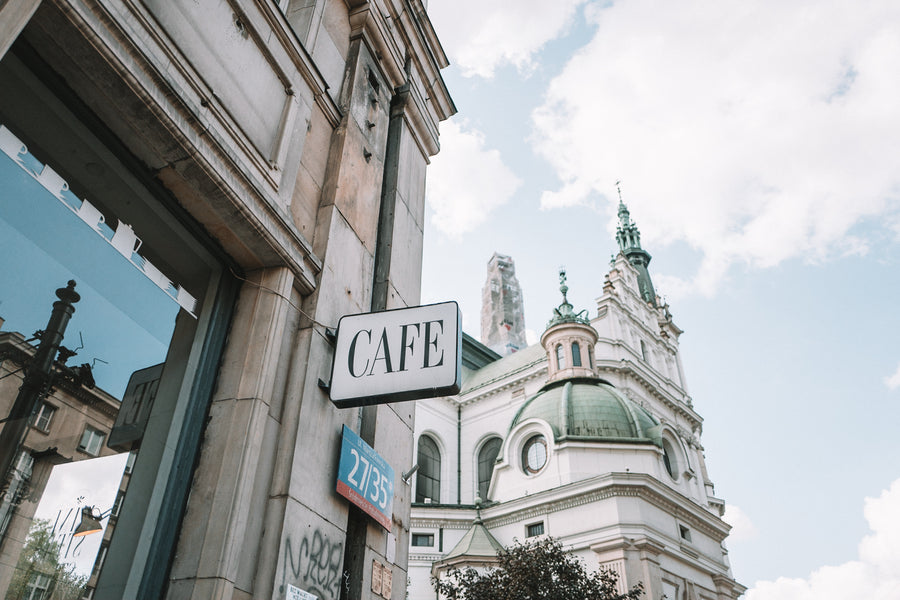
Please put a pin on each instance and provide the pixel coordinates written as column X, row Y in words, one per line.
column 758, row 150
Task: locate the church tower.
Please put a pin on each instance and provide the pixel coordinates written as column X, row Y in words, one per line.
column 502, row 309
column 629, row 239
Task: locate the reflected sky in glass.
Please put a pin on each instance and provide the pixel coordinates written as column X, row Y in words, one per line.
column 124, row 319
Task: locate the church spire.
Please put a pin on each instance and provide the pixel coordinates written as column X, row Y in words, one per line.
column 565, row 313
column 629, row 239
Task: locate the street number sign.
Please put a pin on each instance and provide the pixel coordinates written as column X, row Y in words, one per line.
column 365, row 478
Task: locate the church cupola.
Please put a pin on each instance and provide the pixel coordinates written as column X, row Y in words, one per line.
column 569, row 340
column 629, row 239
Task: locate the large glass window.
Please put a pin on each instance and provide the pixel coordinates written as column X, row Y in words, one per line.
column 75, row 208
column 487, row 456
column 428, row 480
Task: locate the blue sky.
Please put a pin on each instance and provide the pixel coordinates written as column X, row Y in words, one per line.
column 758, row 148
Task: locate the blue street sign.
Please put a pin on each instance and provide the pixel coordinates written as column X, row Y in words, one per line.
column 366, row 479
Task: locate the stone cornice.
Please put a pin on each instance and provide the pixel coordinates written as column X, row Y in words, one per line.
column 220, row 177
column 610, row 485
column 391, row 38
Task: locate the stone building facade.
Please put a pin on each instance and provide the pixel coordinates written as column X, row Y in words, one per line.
column 589, row 437
column 224, row 179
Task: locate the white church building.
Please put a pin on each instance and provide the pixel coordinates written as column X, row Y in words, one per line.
column 589, row 437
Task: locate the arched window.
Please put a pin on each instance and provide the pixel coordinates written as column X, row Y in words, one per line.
column 576, row 355
column 428, row 480
column 670, row 459
column 487, row 456
column 560, row 357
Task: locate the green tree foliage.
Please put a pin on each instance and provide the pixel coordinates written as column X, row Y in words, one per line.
column 539, row 570
column 40, row 558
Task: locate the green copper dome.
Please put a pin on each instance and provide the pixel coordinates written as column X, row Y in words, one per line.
column 590, row 410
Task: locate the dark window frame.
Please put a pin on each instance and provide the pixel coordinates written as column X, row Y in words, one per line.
column 487, row 456
column 428, row 478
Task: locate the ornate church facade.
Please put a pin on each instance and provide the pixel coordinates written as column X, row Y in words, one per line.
column 589, row 437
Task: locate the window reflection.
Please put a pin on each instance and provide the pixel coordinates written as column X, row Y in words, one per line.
column 138, row 277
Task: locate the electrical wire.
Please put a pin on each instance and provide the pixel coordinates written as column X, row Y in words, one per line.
column 283, row 297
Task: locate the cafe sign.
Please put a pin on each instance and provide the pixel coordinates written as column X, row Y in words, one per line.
column 397, row 355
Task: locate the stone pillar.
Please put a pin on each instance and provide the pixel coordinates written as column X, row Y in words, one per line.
column 648, row 553
column 223, row 525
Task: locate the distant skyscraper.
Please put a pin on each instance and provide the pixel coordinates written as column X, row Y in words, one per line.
column 502, row 309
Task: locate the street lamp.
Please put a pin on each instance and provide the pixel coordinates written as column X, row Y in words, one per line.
column 90, row 522
column 42, row 371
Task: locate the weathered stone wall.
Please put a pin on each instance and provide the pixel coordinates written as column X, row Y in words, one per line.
column 267, row 124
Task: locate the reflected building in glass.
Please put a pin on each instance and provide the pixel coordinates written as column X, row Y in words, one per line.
column 223, row 182
column 71, row 423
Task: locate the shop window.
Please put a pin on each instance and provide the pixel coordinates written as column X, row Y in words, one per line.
column 487, row 456
column 43, row 417
column 77, row 206
column 428, row 479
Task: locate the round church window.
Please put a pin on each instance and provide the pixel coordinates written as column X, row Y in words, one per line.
column 534, row 454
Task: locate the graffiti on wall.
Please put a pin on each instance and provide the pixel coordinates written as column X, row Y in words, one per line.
column 314, row 564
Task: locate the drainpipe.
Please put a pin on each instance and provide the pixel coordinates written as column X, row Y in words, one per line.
column 459, row 454
column 358, row 521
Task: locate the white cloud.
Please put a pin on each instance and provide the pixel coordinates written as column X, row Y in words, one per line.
column 466, row 181
column 756, row 132
column 495, row 33
column 875, row 576
column 742, row 528
column 893, row 382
